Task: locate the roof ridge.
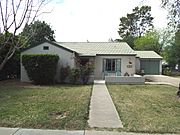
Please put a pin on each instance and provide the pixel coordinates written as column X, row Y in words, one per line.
column 91, row 42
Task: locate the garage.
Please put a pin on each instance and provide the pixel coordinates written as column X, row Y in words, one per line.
column 150, row 62
column 150, row 66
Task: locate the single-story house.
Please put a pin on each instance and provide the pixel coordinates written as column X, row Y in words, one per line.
column 109, row 58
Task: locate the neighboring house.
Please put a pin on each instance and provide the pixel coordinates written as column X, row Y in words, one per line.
column 109, row 58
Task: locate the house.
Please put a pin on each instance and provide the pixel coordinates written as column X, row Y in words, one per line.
column 109, row 58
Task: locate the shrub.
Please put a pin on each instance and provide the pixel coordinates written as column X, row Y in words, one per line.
column 167, row 71
column 74, row 75
column 11, row 69
column 86, row 71
column 41, row 68
column 64, row 73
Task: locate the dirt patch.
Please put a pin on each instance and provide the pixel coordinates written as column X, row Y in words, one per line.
column 58, row 115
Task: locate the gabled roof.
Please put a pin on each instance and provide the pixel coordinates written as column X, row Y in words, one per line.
column 147, row 55
column 98, row 48
column 47, row 41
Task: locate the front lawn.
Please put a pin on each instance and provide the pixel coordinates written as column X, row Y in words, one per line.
column 50, row 107
column 147, row 108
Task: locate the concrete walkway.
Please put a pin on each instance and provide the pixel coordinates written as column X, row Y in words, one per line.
column 103, row 113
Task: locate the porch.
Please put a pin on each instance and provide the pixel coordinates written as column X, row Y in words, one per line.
column 136, row 79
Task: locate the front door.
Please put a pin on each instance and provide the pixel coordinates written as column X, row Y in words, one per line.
column 111, row 67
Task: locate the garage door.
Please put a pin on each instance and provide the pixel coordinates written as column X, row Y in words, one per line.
column 150, row 66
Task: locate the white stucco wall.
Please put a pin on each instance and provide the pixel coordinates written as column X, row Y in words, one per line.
column 137, row 65
column 66, row 58
column 98, row 72
column 125, row 79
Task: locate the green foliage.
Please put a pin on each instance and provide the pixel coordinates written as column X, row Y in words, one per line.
column 9, row 56
column 129, row 40
column 171, row 52
column 86, row 70
column 169, row 55
column 74, row 75
column 41, row 68
column 150, row 41
column 38, row 32
column 78, row 75
column 11, row 69
column 5, row 46
column 64, row 73
column 167, row 71
column 136, row 24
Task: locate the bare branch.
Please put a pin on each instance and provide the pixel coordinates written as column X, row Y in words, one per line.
column 2, row 15
column 26, row 9
column 6, row 19
column 41, row 3
column 14, row 15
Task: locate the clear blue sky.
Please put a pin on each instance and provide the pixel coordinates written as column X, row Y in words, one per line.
column 94, row 20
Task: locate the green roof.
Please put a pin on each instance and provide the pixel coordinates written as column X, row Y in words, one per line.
column 147, row 55
column 98, row 48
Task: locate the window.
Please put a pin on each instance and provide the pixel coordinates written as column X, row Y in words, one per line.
column 110, row 65
column 45, row 47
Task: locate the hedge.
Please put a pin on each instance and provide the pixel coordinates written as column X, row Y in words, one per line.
column 41, row 68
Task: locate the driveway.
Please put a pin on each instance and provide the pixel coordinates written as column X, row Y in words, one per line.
column 164, row 79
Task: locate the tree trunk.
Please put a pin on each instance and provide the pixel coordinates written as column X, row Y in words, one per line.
column 7, row 57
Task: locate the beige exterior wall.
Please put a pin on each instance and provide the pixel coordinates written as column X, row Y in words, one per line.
column 98, row 71
column 66, row 58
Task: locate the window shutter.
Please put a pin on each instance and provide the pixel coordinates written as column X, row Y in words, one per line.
column 104, row 65
column 118, row 64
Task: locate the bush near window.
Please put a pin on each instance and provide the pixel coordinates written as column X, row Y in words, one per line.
column 64, row 73
column 74, row 76
column 41, row 68
column 81, row 74
column 86, row 71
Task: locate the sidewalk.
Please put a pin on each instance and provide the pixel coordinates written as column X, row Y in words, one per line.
column 22, row 131
column 103, row 113
column 19, row 131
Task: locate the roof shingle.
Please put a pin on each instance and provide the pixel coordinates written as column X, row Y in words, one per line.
column 147, row 54
column 99, row 48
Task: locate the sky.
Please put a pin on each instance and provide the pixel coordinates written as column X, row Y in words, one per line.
column 94, row 20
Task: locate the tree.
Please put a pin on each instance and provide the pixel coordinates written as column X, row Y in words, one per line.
column 171, row 52
column 173, row 8
column 13, row 63
column 14, row 15
column 169, row 55
column 135, row 24
column 177, row 47
column 38, row 32
column 151, row 41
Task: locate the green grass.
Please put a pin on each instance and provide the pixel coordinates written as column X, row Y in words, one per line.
column 36, row 107
column 147, row 108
